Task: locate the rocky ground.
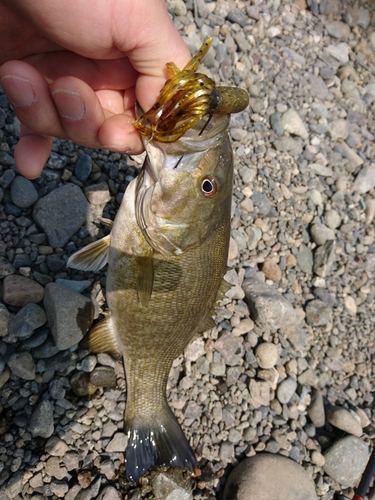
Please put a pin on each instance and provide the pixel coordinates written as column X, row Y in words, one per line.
column 289, row 369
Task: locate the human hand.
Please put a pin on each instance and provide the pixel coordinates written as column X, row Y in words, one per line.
column 73, row 69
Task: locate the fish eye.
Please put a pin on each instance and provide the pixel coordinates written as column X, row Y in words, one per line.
column 210, row 186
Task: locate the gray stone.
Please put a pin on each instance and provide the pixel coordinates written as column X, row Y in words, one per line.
column 259, row 393
column 305, row 259
column 103, row 376
column 365, row 179
column 171, row 485
column 56, row 389
column 6, row 268
column 318, row 313
column 8, row 175
column 340, row 52
column 324, row 258
column 267, row 476
column 56, row 447
column 276, row 123
column 332, row 219
column 61, row 213
column 289, row 145
column 15, row 484
column 286, row 389
column 118, row 443
column 321, row 233
column 69, row 315
column 41, row 423
column 344, row 420
column 23, row 192
column 262, row 203
column 22, row 365
column 338, row 129
column 266, row 355
column 237, row 16
column 27, row 320
column 77, row 285
column 4, row 320
column 231, row 348
column 109, row 493
column 293, row 124
column 268, row 308
column 338, row 29
column 315, row 410
column 346, row 459
column 83, row 167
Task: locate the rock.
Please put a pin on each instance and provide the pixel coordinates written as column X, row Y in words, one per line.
column 261, row 202
column 171, row 485
column 318, row 313
column 289, row 145
column 267, row 476
column 305, row 259
column 321, row 233
column 81, row 385
column 340, row 52
column 237, row 16
column 4, row 320
column 346, row 459
column 254, row 236
column 276, row 124
column 350, row 304
column 98, row 194
column 271, row 270
column 118, row 443
column 226, row 452
column 103, row 376
column 332, row 219
column 22, row 365
column 15, row 485
column 315, row 410
column 365, row 179
column 338, row 130
column 317, row 458
column 109, row 493
column 23, row 192
column 19, row 291
column 266, row 355
column 231, row 348
column 344, row 420
column 83, row 167
column 324, row 258
column 56, row 389
column 9, row 174
column 61, row 213
column 28, row 319
column 338, row 29
column 6, row 268
column 268, row 308
column 69, row 315
column 293, row 124
column 56, row 447
column 41, row 423
column 77, row 286
column 286, row 389
column 259, row 393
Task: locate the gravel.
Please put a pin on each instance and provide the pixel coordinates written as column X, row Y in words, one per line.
column 288, row 369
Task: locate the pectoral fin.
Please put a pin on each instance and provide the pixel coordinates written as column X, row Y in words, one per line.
column 92, row 257
column 101, row 338
column 106, row 222
column 223, row 288
column 145, row 279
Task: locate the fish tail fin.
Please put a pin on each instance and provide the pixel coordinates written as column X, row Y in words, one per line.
column 157, row 442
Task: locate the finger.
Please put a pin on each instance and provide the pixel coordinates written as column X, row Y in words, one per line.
column 118, row 134
column 31, row 99
column 31, row 153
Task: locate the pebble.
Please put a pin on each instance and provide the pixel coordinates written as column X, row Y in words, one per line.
column 266, row 355
column 171, row 485
column 20, row 291
column 118, row 443
column 78, row 286
column 266, row 476
column 305, row 259
column 27, row 320
column 286, row 389
column 6, row 268
column 315, row 410
column 231, row 348
column 293, row 124
column 344, row 420
column 276, row 123
column 109, row 493
column 98, row 194
column 271, row 270
column 83, row 167
column 14, row 485
column 23, row 192
column 61, row 213
column 365, row 179
column 338, row 29
column 332, row 219
column 346, row 459
column 318, row 313
column 56, row 447
column 259, row 393
column 22, row 365
column 69, row 315
column 340, row 52
column 339, row 129
column 41, row 422
column 321, row 233
column 103, row 376
column 81, row 385
column 268, row 308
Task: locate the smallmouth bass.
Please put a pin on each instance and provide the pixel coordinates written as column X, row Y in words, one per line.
column 167, row 255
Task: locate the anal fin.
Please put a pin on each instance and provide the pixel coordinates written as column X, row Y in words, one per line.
column 101, row 338
column 92, row 257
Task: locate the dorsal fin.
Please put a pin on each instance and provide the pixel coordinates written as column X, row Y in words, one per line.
column 92, row 257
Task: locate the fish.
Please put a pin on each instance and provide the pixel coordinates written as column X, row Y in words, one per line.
column 167, row 256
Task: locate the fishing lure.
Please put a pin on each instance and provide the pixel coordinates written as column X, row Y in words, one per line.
column 186, row 98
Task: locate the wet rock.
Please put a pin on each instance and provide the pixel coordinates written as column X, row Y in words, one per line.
column 23, row 192
column 19, row 291
column 171, row 485
column 268, row 308
column 266, row 355
column 346, row 459
column 344, row 420
column 61, row 213
column 69, row 315
column 27, row 320
column 41, row 423
column 83, row 167
column 6, row 268
column 318, row 313
column 265, row 476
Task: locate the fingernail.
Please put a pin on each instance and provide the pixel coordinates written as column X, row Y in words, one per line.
column 69, row 104
column 18, row 90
